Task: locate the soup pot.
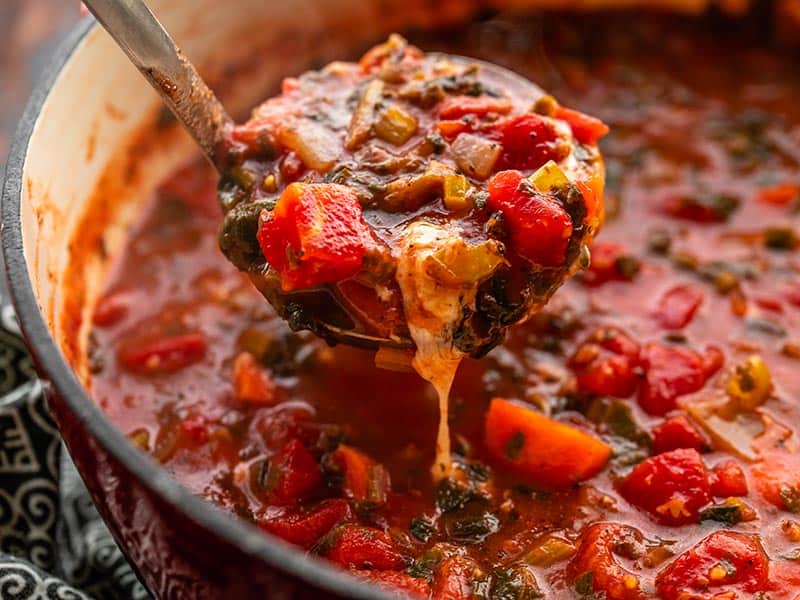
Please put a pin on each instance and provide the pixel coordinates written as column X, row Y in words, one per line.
column 92, row 146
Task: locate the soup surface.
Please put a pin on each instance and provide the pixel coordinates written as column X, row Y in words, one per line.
column 679, row 348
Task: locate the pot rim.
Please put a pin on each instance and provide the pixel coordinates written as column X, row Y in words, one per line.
column 52, row 364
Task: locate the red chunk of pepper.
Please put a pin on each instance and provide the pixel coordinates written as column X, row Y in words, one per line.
column 607, row 363
column 672, row 372
column 723, row 565
column 314, row 235
column 396, row 581
column 610, row 262
column 304, row 529
column 539, row 227
column 672, row 487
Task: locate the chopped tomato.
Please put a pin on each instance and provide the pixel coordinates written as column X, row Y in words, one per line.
column 528, row 142
column 252, row 384
column 111, row 309
column 396, row 581
column 678, row 305
column 777, row 479
column 359, row 547
column 600, row 544
column 543, row 451
column 454, row 107
column 722, row 565
column 298, row 474
column 451, row 129
column 314, row 235
column 538, row 225
column 304, row 529
column 364, row 479
column 677, row 432
column 585, row 128
column 455, row 579
column 671, row 372
column 610, row 262
column 727, row 479
column 607, row 363
column 672, row 487
column 162, row 355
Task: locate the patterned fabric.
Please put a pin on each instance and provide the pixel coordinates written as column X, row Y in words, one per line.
column 53, row 543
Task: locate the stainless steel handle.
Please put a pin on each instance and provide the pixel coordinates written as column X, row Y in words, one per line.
column 148, row 45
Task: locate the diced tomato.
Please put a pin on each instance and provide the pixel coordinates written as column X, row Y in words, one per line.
column 314, row 235
column 777, row 479
column 769, row 303
column 364, row 479
column 539, row 227
column 304, row 529
column 780, row 195
column 722, row 565
column 396, row 581
column 195, row 427
column 585, row 128
column 607, row 363
column 678, row 305
column 671, row 372
column 672, row 487
column 528, row 142
column 677, row 432
column 610, row 262
column 111, row 309
column 454, row 107
column 291, row 167
column 455, row 579
column 596, row 555
column 727, row 479
column 162, row 355
column 253, row 384
column 298, row 474
column 359, row 547
column 543, row 451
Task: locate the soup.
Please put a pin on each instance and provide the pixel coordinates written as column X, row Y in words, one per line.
column 677, row 350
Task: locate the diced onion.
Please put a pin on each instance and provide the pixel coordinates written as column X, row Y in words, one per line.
column 475, row 155
column 316, row 145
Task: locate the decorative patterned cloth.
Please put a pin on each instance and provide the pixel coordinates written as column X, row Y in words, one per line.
column 53, row 544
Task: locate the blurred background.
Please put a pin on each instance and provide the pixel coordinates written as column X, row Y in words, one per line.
column 29, row 30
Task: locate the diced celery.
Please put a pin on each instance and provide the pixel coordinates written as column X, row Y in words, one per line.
column 549, row 177
column 455, row 192
column 548, row 551
column 395, row 126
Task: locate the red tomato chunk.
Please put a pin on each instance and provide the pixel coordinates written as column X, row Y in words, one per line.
column 672, row 487
column 726, row 564
column 163, row 355
column 540, row 228
column 596, row 556
column 610, row 262
column 358, row 547
column 298, row 473
column 528, row 142
column 678, row 305
column 607, row 363
column 304, row 529
column 585, row 128
column 314, row 235
column 677, row 432
column 672, row 372
column 728, row 479
column 396, row 581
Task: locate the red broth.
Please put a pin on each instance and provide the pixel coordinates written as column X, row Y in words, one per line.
column 695, row 271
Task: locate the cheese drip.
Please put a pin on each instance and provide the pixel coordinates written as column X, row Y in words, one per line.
column 435, row 293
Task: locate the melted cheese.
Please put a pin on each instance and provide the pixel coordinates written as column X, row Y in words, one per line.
column 433, row 309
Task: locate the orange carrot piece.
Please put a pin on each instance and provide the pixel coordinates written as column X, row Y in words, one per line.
column 779, row 195
column 364, row 479
column 252, row 384
column 543, row 451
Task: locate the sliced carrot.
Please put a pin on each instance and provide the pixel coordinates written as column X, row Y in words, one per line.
column 779, row 195
column 543, row 451
column 364, row 479
column 252, row 384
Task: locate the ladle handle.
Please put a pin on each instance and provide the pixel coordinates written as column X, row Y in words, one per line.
column 148, row 45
